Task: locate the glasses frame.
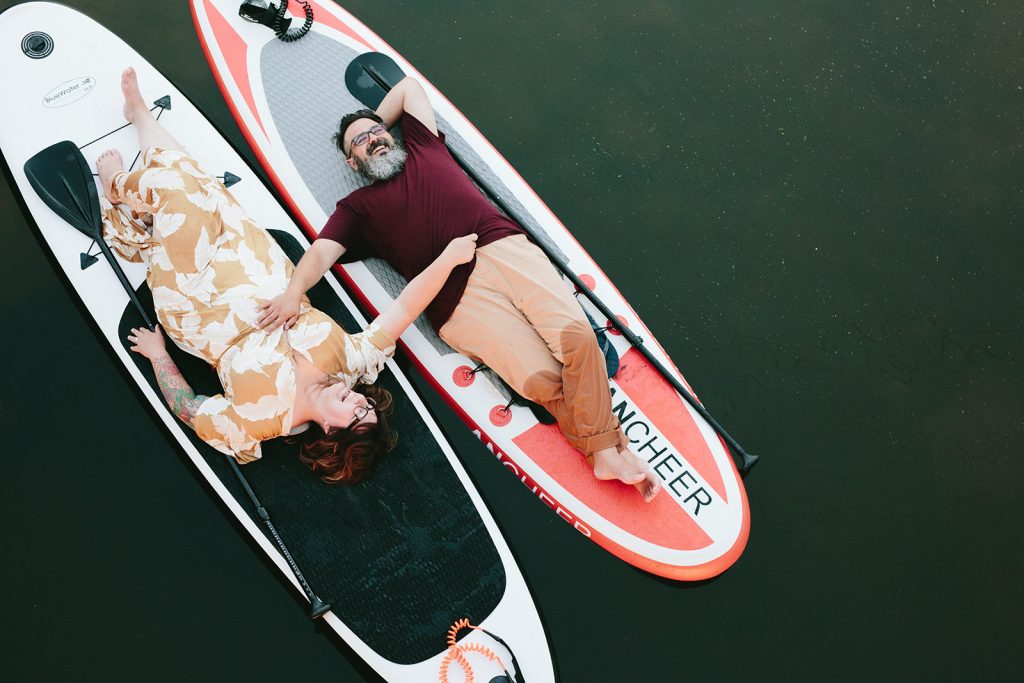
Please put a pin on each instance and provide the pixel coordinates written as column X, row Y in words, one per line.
column 362, row 411
column 378, row 130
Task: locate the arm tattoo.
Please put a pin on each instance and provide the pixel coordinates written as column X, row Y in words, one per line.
column 183, row 402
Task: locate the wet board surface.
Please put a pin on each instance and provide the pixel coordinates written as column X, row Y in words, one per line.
column 401, row 556
column 698, row 526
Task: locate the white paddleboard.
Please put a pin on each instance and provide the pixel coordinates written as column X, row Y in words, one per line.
column 61, row 80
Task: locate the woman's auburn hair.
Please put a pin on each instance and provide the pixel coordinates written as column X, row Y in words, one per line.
column 348, row 456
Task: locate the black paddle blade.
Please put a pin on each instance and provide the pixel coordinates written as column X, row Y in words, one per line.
column 62, row 178
column 370, row 76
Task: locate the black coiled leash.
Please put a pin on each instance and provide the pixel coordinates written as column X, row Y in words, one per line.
column 270, row 15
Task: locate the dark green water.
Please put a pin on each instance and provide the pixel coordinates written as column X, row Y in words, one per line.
column 817, row 209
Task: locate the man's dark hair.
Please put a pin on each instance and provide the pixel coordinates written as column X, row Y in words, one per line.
column 348, row 120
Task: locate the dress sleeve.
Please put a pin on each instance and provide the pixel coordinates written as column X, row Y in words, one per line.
column 366, row 353
column 259, row 393
column 218, row 423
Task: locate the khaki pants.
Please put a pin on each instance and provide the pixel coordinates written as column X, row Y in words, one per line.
column 519, row 318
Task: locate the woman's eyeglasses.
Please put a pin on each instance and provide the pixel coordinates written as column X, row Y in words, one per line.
column 362, row 411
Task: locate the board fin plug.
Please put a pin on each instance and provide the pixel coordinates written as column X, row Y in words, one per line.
column 164, row 102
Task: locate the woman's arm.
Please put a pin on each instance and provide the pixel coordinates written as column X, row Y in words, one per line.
column 422, row 289
column 183, row 402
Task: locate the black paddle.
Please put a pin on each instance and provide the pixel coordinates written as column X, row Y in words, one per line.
column 370, row 77
column 62, row 178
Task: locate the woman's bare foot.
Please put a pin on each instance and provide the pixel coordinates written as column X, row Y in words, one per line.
column 108, row 165
column 609, row 464
column 134, row 105
column 651, row 484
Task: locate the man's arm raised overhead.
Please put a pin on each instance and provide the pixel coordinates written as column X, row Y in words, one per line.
column 407, row 96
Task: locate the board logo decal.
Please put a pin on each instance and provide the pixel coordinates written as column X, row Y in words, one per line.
column 69, row 91
column 37, row 45
column 681, row 481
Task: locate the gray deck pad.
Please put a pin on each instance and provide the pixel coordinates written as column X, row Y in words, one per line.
column 316, row 64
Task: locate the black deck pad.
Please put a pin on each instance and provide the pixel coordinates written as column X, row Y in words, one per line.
column 400, row 556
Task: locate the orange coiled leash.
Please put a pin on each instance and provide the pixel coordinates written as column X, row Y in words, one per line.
column 457, row 653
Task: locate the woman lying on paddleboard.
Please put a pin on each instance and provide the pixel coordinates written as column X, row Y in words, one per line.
column 210, row 267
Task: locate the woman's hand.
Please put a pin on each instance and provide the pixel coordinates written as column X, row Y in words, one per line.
column 460, row 250
column 281, row 310
column 150, row 343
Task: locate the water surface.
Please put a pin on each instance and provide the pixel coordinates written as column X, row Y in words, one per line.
column 817, row 210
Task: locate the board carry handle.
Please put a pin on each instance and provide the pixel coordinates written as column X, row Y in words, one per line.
column 370, row 76
column 61, row 177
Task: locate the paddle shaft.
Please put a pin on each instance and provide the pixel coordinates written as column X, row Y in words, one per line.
column 745, row 460
column 96, row 232
column 123, row 279
column 317, row 606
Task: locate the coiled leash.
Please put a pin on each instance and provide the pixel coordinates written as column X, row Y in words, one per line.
column 457, row 653
column 273, row 17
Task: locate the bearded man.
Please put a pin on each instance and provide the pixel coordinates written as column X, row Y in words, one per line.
column 507, row 308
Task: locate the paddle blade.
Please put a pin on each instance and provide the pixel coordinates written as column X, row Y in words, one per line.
column 370, row 76
column 61, row 177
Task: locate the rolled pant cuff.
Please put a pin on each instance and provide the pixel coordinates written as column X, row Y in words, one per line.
column 596, row 442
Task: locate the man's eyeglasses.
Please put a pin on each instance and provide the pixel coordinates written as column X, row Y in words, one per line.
column 364, row 137
column 362, row 411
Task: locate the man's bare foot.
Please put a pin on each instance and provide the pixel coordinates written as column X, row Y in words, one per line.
column 651, row 484
column 134, row 105
column 108, row 165
column 609, row 464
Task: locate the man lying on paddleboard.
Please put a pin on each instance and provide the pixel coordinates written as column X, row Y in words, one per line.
column 209, row 267
column 507, row 307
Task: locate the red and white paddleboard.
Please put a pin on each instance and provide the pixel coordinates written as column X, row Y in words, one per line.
column 287, row 98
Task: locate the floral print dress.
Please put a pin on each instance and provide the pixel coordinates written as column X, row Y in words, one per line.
column 210, row 267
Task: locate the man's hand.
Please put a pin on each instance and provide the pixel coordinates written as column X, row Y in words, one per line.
column 460, row 250
column 281, row 310
column 150, row 343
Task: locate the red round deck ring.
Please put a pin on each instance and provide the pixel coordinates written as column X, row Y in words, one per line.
column 500, row 416
column 463, row 376
column 588, row 280
column 612, row 329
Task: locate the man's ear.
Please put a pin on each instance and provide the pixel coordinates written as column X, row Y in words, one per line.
column 352, row 164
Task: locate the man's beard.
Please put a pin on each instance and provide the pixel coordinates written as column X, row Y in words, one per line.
column 383, row 167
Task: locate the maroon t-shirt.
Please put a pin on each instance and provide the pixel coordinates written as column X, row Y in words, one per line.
column 410, row 219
